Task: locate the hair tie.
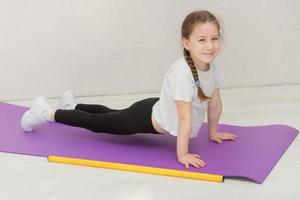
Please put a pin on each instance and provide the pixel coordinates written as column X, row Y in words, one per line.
column 197, row 83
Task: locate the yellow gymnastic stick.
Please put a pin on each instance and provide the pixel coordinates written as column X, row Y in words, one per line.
column 136, row 168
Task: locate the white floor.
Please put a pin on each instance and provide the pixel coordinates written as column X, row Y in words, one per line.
column 28, row 177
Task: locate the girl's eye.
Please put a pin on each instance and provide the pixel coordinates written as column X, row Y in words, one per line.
column 201, row 40
column 215, row 39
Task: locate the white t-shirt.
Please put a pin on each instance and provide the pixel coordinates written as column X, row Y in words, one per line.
column 179, row 84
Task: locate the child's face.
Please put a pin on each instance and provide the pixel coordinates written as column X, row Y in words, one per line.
column 204, row 43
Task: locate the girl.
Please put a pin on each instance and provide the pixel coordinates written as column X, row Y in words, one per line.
column 190, row 89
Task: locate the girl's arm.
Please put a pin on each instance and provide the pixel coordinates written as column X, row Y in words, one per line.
column 214, row 112
column 185, row 127
column 213, row 115
column 184, row 110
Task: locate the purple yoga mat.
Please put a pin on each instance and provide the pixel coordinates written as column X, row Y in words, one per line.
column 252, row 156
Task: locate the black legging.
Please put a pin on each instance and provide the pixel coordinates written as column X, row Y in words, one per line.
column 101, row 119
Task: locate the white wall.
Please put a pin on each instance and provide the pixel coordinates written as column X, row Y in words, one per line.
column 99, row 47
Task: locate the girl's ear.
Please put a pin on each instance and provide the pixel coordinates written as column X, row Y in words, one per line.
column 185, row 43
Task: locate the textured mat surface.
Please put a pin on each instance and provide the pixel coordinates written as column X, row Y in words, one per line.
column 252, row 156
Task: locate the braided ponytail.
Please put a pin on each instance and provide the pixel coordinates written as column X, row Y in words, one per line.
column 190, row 62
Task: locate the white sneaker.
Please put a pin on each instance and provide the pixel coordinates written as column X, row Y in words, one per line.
column 66, row 101
column 39, row 113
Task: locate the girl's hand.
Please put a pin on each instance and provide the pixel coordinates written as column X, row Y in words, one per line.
column 191, row 159
column 220, row 136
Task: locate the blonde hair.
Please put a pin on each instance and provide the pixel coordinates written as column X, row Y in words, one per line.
column 200, row 16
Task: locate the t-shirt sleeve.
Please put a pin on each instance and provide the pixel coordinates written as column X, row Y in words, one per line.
column 219, row 76
column 181, row 87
